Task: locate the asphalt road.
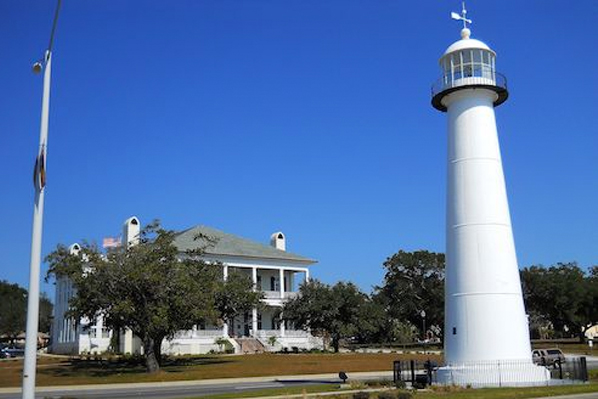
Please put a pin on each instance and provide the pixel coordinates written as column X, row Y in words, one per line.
column 183, row 389
column 168, row 391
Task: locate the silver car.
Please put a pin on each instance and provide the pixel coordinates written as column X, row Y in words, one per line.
column 548, row 357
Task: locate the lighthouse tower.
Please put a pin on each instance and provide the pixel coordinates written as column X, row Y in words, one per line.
column 486, row 329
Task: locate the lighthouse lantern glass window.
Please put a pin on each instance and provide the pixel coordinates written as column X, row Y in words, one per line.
column 467, row 63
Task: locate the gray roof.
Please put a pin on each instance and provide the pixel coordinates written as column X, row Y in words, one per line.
column 231, row 245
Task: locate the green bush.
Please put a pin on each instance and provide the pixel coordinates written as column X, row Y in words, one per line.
column 400, row 384
column 361, row 395
column 379, row 383
column 387, row 395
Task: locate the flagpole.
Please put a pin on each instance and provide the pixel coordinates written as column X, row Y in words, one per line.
column 29, row 367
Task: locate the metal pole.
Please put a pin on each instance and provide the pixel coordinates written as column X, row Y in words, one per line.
column 29, row 366
column 36, row 244
column 425, row 335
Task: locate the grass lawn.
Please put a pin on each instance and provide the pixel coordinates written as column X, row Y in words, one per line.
column 65, row 371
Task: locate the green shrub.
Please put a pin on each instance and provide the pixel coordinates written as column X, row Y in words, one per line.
column 377, row 383
column 387, row 395
column 357, row 384
column 400, row 384
column 361, row 395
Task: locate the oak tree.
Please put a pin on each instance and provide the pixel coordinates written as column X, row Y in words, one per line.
column 414, row 282
column 332, row 312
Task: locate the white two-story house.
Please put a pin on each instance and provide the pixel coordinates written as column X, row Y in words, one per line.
column 272, row 269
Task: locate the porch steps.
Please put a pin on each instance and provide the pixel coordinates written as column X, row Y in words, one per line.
column 250, row 345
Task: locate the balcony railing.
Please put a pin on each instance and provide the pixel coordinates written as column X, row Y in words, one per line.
column 198, row 334
column 209, row 333
column 272, row 294
column 276, row 294
column 483, row 78
column 287, row 333
column 470, row 78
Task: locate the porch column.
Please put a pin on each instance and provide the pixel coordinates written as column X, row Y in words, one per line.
column 99, row 325
column 225, row 325
column 306, row 275
column 254, row 321
column 281, row 282
column 254, row 310
column 281, row 325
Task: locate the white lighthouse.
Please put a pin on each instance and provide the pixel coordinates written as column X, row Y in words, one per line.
column 486, row 328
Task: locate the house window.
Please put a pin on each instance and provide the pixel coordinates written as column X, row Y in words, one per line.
column 105, row 332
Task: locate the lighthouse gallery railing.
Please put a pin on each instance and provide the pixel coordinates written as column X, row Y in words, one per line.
column 451, row 81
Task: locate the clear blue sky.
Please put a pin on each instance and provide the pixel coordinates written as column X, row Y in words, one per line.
column 310, row 117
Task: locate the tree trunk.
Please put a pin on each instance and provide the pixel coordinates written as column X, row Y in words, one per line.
column 151, row 363
column 335, row 343
column 158, row 350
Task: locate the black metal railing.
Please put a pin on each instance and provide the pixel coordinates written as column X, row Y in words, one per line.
column 573, row 368
column 415, row 372
column 490, row 373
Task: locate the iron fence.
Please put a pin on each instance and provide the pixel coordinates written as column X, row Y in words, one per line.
column 574, row 368
column 490, row 373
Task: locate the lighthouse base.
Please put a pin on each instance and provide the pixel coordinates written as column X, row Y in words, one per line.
column 494, row 373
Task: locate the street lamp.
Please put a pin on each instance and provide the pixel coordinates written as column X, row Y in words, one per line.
column 423, row 315
column 39, row 181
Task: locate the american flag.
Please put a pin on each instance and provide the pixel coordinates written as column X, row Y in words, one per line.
column 111, row 242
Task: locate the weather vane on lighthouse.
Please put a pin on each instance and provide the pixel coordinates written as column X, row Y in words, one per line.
column 462, row 17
